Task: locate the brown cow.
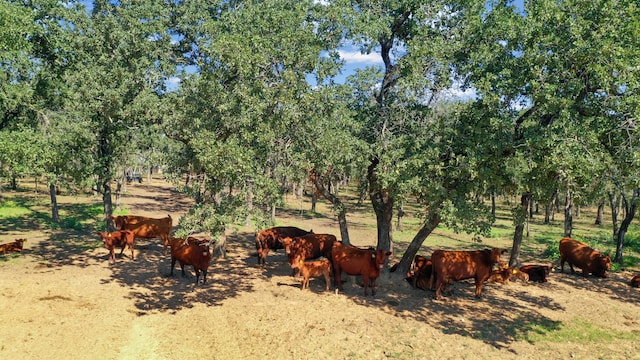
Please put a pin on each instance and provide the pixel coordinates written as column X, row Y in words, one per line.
column 537, row 273
column 505, row 274
column 146, row 228
column 356, row 261
column 191, row 251
column 314, row 268
column 584, row 257
column 271, row 239
column 635, row 281
column 307, row 247
column 122, row 239
column 14, row 246
column 459, row 265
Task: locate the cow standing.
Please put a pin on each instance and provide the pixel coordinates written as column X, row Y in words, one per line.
column 356, row 261
column 146, row 228
column 271, row 239
column 310, row 269
column 122, row 239
column 191, row 251
column 584, row 257
column 451, row 266
column 307, row 247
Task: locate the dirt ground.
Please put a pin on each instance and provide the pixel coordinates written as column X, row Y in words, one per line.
column 62, row 300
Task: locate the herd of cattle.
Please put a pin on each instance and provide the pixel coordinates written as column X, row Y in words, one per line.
column 312, row 255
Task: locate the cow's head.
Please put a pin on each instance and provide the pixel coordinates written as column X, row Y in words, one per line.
column 604, row 262
column 286, row 243
column 379, row 257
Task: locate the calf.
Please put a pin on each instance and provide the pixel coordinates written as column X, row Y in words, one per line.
column 307, row 247
column 122, row 239
column 420, row 274
column 584, row 257
column 635, row 281
column 505, row 274
column 191, row 251
column 146, row 228
column 272, row 239
column 356, row 261
column 14, row 246
column 314, row 268
column 451, row 266
column 536, row 273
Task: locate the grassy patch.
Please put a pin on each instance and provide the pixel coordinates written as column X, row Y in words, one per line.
column 577, row 331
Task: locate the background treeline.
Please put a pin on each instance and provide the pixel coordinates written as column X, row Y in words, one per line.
column 239, row 102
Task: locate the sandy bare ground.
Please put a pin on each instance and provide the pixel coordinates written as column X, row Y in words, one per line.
column 61, row 300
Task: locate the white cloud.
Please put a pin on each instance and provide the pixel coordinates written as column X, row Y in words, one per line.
column 355, row 57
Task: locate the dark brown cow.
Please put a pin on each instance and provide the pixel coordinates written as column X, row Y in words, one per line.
column 451, row 266
column 420, row 274
column 271, row 239
column 191, row 251
column 635, row 281
column 315, row 268
column 584, row 257
column 537, row 273
column 146, row 228
column 122, row 239
column 14, row 246
column 356, row 261
column 307, row 247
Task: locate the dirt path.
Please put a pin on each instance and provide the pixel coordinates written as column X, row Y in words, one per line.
column 61, row 300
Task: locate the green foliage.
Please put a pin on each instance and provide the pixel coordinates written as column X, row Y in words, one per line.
column 577, row 331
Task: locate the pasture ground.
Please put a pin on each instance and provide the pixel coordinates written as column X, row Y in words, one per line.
column 61, row 300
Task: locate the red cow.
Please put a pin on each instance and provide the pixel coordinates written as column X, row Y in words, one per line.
column 122, row 239
column 356, row 261
column 451, row 266
column 272, row 239
column 310, row 246
column 584, row 257
column 14, row 246
column 191, row 251
column 635, row 281
column 537, row 273
column 314, row 268
column 146, row 228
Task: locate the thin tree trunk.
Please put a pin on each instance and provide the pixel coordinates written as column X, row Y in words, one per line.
column 630, row 211
column 338, row 206
column 568, row 213
column 600, row 213
column 107, row 204
column 493, row 204
column 614, row 202
column 55, row 215
column 521, row 217
column 399, row 218
column 433, row 220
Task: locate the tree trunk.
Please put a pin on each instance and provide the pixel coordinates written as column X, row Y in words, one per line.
column 399, row 218
column 521, row 218
column 314, row 198
column 600, row 213
column 107, row 204
column 433, row 220
column 493, row 204
column 568, row 213
column 55, row 215
column 382, row 202
column 338, row 206
column 615, row 207
column 247, row 221
column 630, row 211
